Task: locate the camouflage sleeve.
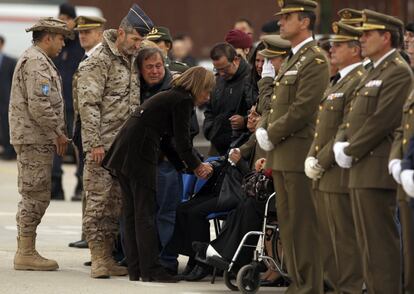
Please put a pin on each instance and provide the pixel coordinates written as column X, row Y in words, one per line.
column 41, row 104
column 90, row 90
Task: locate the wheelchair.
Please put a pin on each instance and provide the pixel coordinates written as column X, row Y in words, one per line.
column 247, row 279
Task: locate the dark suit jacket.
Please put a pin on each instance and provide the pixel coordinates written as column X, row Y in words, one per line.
column 135, row 150
column 6, row 77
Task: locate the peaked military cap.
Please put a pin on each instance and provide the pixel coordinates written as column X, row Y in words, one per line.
column 159, row 34
column 52, row 25
column 139, row 20
column 289, row 6
column 344, row 33
column 373, row 20
column 84, row 23
column 274, row 46
column 350, row 16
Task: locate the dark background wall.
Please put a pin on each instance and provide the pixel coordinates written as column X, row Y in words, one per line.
column 208, row 21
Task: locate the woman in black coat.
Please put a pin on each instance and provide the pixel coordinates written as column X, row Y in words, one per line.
column 133, row 158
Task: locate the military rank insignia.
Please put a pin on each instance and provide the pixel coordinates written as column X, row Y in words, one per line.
column 335, row 96
column 45, row 89
column 373, row 84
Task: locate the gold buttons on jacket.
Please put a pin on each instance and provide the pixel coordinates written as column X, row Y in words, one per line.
column 407, row 126
column 332, row 108
column 404, row 141
column 348, row 125
column 318, row 121
column 320, row 107
column 271, row 110
column 411, row 111
column 316, row 135
column 317, row 148
column 274, row 97
column 277, row 84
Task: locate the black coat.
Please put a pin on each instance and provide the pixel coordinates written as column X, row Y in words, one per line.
column 229, row 97
column 135, row 150
column 67, row 63
column 6, row 77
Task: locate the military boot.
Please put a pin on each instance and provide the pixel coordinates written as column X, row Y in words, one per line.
column 27, row 258
column 111, row 264
column 99, row 269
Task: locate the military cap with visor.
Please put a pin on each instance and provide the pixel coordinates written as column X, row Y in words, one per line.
column 52, row 25
column 275, row 46
column 373, row 20
column 159, row 34
column 290, row 6
column 139, row 20
column 350, row 16
column 344, row 33
column 84, row 23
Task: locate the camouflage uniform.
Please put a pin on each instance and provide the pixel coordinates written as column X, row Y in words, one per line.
column 108, row 92
column 36, row 118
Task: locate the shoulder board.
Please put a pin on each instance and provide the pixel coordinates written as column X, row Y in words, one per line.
column 319, row 60
column 316, row 49
column 179, row 63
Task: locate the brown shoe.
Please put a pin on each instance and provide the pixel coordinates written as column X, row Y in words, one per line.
column 99, row 268
column 27, row 258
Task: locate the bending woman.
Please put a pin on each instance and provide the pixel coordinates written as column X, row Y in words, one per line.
column 133, row 159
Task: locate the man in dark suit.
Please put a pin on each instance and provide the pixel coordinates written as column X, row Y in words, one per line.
column 67, row 63
column 7, row 65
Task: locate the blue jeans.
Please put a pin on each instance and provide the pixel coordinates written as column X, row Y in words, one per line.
column 169, row 191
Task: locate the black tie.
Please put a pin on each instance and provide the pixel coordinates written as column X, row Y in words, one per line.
column 336, row 78
column 290, row 55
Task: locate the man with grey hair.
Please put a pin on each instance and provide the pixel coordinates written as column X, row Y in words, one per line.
column 108, row 93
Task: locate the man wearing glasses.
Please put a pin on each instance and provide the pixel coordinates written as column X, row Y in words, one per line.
column 226, row 113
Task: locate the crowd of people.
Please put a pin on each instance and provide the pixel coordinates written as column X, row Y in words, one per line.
column 332, row 121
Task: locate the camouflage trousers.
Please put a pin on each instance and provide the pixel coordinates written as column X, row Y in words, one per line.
column 103, row 202
column 34, row 163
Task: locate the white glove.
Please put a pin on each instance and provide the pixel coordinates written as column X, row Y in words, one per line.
column 263, row 140
column 268, row 70
column 341, row 158
column 394, row 168
column 230, row 153
column 407, row 180
column 312, row 168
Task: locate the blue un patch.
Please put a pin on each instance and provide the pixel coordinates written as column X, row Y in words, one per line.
column 45, row 89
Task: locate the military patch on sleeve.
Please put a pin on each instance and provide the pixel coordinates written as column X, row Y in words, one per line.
column 45, row 89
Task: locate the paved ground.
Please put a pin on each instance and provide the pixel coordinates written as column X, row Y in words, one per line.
column 61, row 225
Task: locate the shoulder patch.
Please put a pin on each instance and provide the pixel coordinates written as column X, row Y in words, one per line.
column 44, row 88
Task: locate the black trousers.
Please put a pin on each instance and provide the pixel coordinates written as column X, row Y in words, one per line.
column 191, row 224
column 141, row 238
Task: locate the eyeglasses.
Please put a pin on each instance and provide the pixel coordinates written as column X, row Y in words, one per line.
column 222, row 69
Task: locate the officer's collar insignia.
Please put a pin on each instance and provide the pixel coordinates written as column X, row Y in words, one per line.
column 335, row 28
column 153, row 31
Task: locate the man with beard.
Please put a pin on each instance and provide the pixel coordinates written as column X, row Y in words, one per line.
column 108, row 93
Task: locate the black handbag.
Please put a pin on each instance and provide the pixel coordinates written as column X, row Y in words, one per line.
column 258, row 185
column 230, row 192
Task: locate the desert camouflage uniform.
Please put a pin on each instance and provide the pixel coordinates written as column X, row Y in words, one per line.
column 36, row 116
column 108, row 92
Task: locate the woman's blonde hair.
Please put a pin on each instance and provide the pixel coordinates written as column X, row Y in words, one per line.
column 196, row 80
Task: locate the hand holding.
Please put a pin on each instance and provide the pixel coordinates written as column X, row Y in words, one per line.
column 98, row 154
column 263, row 140
column 394, row 168
column 312, row 168
column 268, row 69
column 341, row 158
column 61, row 144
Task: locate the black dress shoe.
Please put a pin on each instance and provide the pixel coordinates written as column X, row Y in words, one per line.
column 197, row 274
column 160, row 276
column 123, row 262
column 217, row 262
column 87, row 263
column 200, row 248
column 79, row 244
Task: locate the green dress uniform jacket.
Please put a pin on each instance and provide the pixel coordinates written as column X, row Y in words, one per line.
column 333, row 106
column 251, row 149
column 374, row 115
column 299, row 86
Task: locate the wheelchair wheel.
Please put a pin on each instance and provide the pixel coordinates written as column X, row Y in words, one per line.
column 248, row 279
column 230, row 280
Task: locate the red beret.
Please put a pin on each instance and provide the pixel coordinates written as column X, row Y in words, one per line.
column 239, row 39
